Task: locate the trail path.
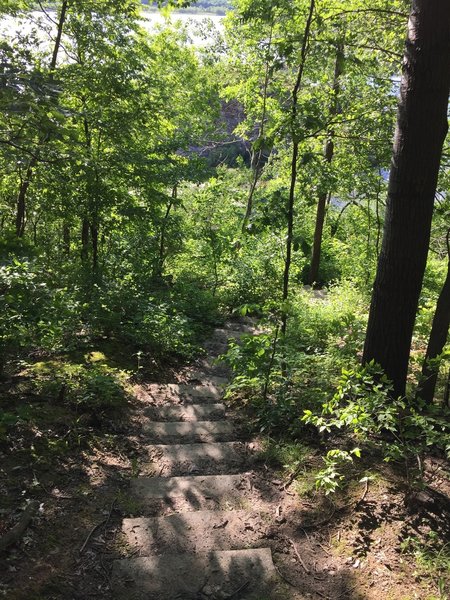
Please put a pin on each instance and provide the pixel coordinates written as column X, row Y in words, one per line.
column 201, row 529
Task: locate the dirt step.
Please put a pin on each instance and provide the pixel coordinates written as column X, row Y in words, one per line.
column 223, row 490
column 199, row 531
column 186, row 412
column 185, row 431
column 243, row 574
column 194, row 459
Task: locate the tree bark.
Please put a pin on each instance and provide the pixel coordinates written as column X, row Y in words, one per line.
column 328, row 156
column 420, row 133
column 437, row 340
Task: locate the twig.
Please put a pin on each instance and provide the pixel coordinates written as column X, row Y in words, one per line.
column 300, row 560
column 363, row 497
column 347, row 591
column 106, row 572
column 323, row 548
column 18, row 530
column 94, row 529
column 240, row 589
column 292, row 477
column 306, row 535
column 90, row 534
column 51, row 493
column 317, row 543
column 284, row 578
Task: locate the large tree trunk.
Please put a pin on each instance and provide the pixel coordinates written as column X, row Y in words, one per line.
column 328, row 156
column 420, row 133
column 437, row 340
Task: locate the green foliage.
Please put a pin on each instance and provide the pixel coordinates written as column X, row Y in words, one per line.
column 363, row 406
column 432, row 558
column 92, row 388
column 330, row 478
column 131, row 238
column 326, row 331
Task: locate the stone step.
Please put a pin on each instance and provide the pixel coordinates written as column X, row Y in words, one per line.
column 185, row 431
column 204, row 378
column 196, row 490
column 186, row 412
column 183, row 392
column 242, row 574
column 199, row 531
column 194, row 459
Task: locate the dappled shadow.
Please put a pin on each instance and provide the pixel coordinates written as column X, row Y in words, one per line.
column 87, row 539
column 188, row 459
column 241, row 574
column 201, row 515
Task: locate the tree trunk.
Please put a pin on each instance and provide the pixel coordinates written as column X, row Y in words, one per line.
column 25, row 184
column 294, row 168
column 437, row 340
column 85, row 240
column 162, row 239
column 328, row 156
column 66, row 238
column 420, row 133
column 94, row 238
column 21, row 199
column 257, row 163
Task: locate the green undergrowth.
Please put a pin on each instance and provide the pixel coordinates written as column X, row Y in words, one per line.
column 311, row 385
column 58, row 312
column 279, row 379
column 432, row 559
column 58, row 403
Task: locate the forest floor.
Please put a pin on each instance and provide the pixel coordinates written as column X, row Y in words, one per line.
column 372, row 540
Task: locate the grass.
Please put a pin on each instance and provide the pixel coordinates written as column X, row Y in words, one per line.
column 432, row 561
column 283, row 455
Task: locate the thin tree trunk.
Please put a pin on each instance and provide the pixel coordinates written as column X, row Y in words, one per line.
column 257, row 155
column 162, row 241
column 66, row 238
column 294, row 168
column 437, row 340
column 25, row 184
column 59, row 32
column 85, row 227
column 420, row 133
column 21, row 199
column 94, row 238
column 328, row 156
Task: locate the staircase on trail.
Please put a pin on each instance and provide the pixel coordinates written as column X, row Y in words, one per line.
column 199, row 533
